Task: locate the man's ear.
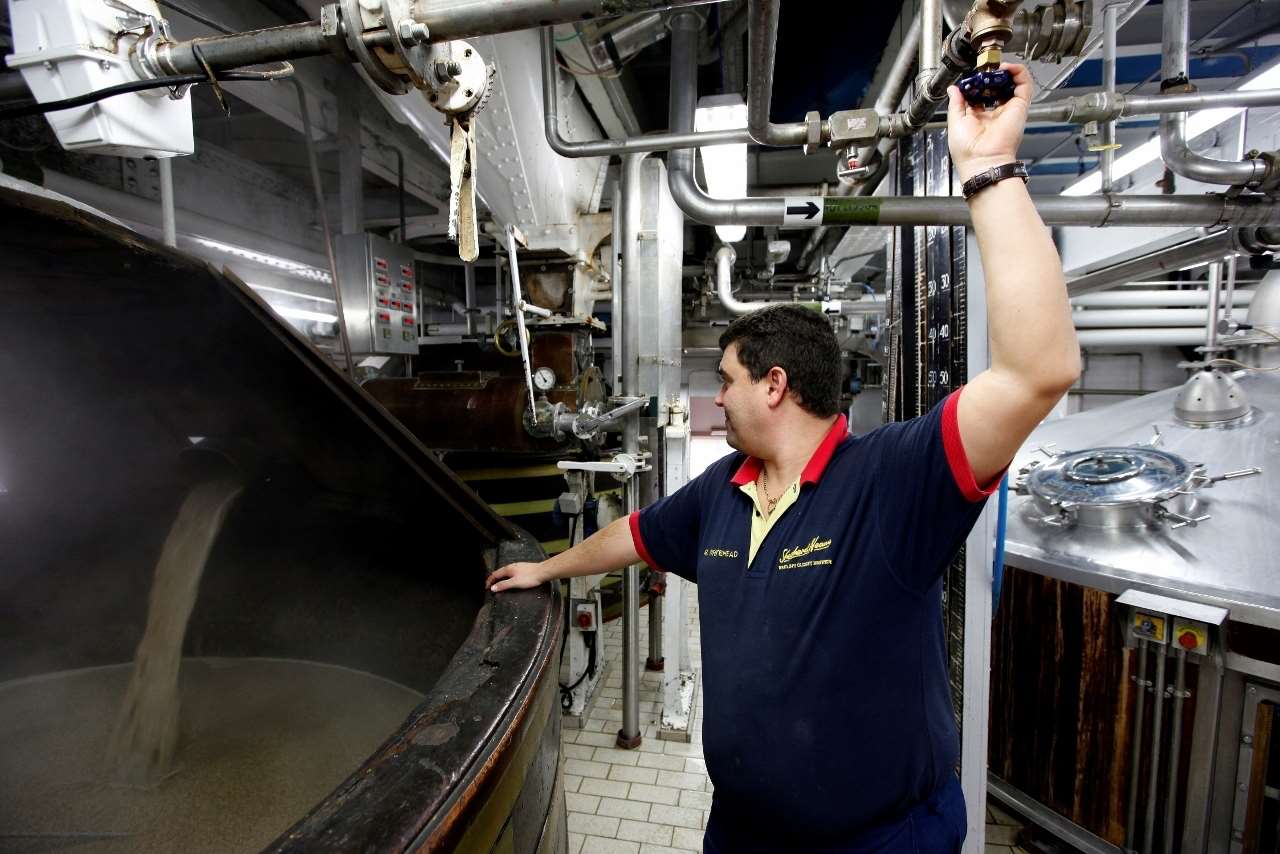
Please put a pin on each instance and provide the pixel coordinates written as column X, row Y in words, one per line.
column 776, row 380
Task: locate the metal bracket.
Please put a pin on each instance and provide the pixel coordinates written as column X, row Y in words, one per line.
column 622, row 466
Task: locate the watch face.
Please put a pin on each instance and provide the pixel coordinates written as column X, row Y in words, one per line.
column 544, row 379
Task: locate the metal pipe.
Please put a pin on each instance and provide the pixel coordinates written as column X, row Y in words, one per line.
column 1177, row 257
column 168, row 221
column 317, row 187
column 1041, row 816
column 762, row 38
column 957, row 59
column 445, row 20
column 254, row 47
column 617, row 350
column 1207, row 210
column 1203, row 762
column 1157, row 743
column 1175, row 149
column 460, row 19
column 1091, row 46
column 1215, row 292
column 1175, row 747
column 499, row 289
column 612, row 147
column 1096, row 210
column 1178, row 336
column 1135, row 755
column 1232, row 260
column 1128, row 298
column 1101, row 106
column 954, row 12
column 1138, row 317
column 725, row 259
column 930, row 39
column 655, row 662
column 1108, row 136
column 899, row 76
column 399, row 186
column 629, row 735
column 469, row 290
column 890, row 96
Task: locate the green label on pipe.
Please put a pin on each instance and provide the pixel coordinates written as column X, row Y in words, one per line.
column 838, row 210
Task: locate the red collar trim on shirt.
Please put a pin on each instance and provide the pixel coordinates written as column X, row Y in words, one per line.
column 750, row 468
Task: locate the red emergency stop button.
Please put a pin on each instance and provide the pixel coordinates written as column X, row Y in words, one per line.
column 1188, row 640
column 584, row 619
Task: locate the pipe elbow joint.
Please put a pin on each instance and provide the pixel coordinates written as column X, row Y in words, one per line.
column 686, row 194
column 558, row 143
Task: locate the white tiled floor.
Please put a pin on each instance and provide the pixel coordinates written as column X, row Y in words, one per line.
column 655, row 799
column 651, row 800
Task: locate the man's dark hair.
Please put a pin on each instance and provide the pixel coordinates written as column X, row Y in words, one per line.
column 800, row 341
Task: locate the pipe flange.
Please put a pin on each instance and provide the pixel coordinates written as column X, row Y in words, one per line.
column 1270, row 181
column 462, row 92
column 1041, row 28
column 409, row 40
column 331, row 31
column 1086, row 30
column 353, row 32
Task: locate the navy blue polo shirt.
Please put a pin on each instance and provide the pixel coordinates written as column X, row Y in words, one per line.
column 824, row 670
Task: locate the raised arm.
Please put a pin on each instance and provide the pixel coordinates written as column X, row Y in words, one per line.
column 608, row 549
column 1034, row 354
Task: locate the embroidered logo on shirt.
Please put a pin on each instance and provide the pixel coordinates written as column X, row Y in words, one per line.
column 730, row 553
column 794, row 554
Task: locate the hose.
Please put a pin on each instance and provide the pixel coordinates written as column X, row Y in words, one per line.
column 997, row 563
column 135, row 86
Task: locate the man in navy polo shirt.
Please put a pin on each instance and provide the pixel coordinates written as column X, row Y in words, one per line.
column 818, row 556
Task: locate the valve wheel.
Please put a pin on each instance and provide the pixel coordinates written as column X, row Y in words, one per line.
column 987, row 89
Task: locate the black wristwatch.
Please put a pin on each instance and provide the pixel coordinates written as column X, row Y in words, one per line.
column 984, row 179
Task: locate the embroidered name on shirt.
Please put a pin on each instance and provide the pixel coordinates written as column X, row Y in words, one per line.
column 730, row 553
column 815, row 545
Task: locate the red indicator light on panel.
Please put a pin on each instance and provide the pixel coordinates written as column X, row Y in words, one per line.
column 408, row 321
column 382, row 280
column 395, row 303
column 384, row 316
column 407, row 272
column 380, row 263
column 408, row 287
column 383, row 301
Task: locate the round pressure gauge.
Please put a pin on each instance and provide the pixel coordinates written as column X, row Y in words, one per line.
column 544, row 379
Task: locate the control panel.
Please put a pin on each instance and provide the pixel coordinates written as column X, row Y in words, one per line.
column 1148, row 626
column 379, row 294
column 586, row 615
column 1179, row 624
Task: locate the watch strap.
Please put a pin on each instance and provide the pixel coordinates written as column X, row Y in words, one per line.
column 994, row 175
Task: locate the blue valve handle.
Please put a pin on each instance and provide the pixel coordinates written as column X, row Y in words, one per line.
column 987, row 88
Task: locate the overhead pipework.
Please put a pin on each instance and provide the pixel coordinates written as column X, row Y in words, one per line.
column 1259, row 171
